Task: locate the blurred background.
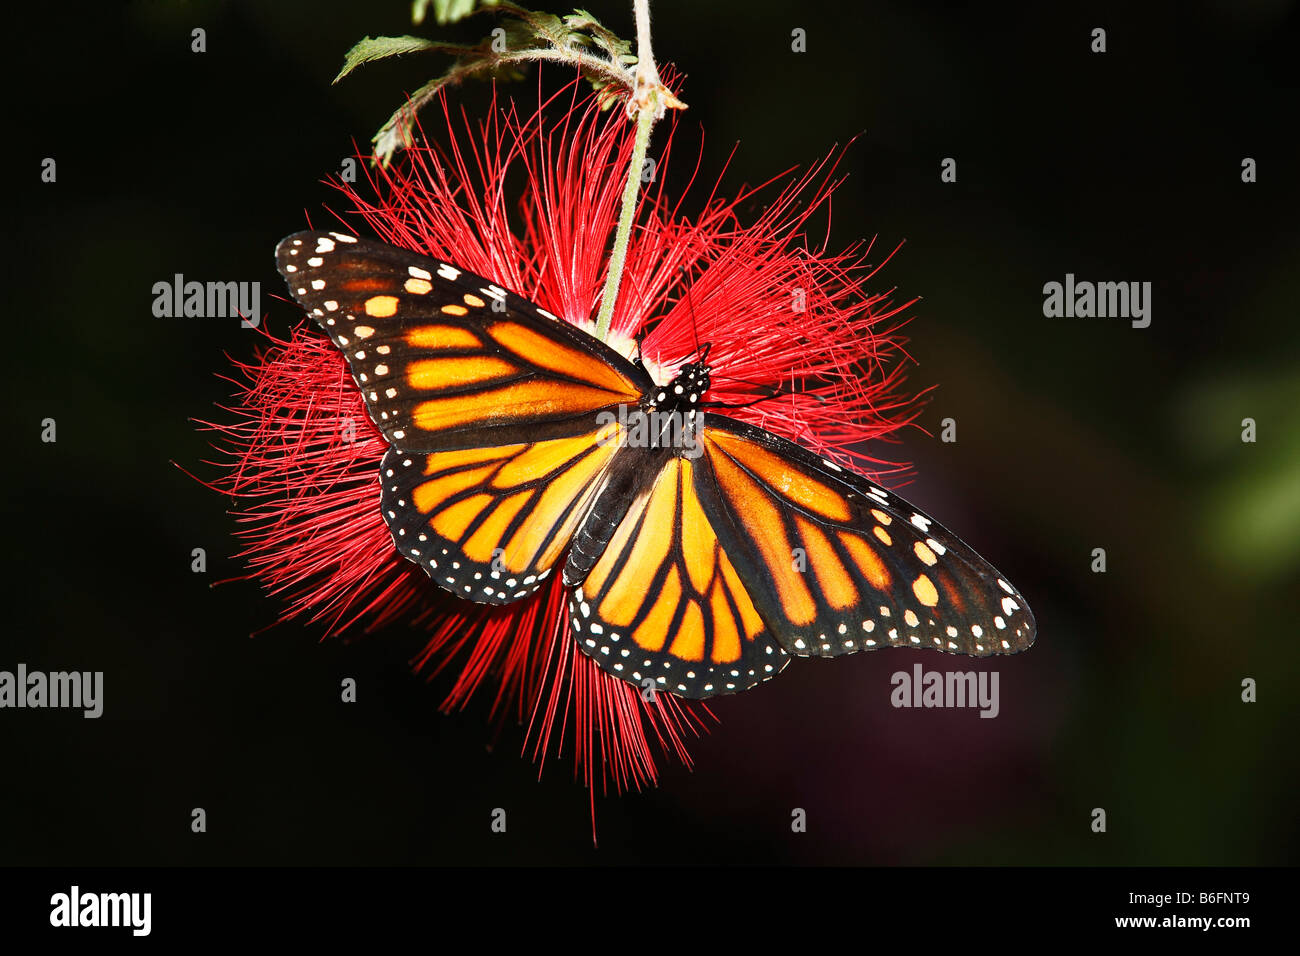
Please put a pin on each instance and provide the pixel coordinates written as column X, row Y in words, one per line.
column 1073, row 434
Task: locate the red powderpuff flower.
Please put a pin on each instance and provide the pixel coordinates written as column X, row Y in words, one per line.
column 532, row 201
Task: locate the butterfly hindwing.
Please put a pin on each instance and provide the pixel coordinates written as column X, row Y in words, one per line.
column 663, row 602
column 448, row 359
column 838, row 565
column 488, row 524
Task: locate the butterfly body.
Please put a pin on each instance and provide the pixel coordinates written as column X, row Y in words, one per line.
column 700, row 552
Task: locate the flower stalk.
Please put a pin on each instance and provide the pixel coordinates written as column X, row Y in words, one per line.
column 648, row 102
column 645, row 122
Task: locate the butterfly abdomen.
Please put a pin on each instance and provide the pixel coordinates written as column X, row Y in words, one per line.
column 624, row 484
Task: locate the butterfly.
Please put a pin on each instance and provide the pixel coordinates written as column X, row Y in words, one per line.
column 700, row 552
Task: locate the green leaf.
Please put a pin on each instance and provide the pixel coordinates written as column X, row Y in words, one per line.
column 544, row 26
column 449, row 11
column 530, row 36
column 396, row 133
column 617, row 49
column 369, row 49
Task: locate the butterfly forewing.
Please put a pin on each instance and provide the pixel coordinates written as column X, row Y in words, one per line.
column 448, row 359
column 838, row 565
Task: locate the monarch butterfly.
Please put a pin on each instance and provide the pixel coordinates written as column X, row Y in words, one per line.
column 513, row 444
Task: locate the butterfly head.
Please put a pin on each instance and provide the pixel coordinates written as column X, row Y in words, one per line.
column 685, row 392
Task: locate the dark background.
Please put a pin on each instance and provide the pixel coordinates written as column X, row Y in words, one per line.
column 1072, row 434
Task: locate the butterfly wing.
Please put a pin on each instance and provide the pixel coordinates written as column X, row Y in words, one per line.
column 489, row 523
column 836, row 564
column 447, row 359
column 492, row 407
column 664, row 601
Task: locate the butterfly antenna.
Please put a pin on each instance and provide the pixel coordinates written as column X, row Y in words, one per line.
column 773, row 391
column 695, row 334
column 639, row 337
column 703, row 353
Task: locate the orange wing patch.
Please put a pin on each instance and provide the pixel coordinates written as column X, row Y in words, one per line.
column 796, row 486
column 381, row 306
column 521, row 401
column 453, row 371
column 437, row 338
column 832, row 577
column 562, row 358
column 866, row 559
column 651, row 633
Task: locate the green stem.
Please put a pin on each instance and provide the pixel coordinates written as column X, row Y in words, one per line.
column 645, row 121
